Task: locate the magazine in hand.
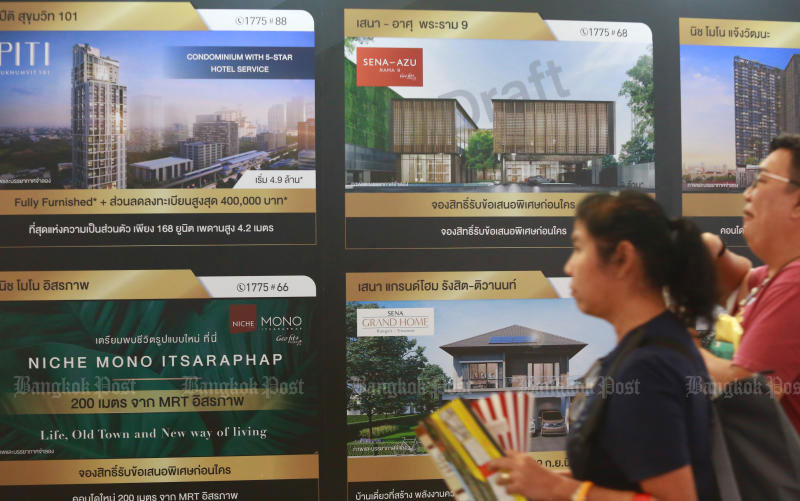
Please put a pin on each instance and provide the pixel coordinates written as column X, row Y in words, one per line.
column 463, row 436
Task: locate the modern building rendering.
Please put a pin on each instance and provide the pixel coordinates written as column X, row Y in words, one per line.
column 306, row 136
column 789, row 116
column 431, row 137
column 245, row 128
column 218, row 131
column 766, row 103
column 758, row 100
column 201, row 153
column 162, row 170
column 367, row 131
column 552, row 139
column 268, row 141
column 746, row 174
column 99, row 120
column 515, row 358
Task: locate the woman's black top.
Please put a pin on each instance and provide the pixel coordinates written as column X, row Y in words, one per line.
column 657, row 417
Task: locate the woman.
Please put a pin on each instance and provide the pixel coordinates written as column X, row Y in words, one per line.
column 650, row 278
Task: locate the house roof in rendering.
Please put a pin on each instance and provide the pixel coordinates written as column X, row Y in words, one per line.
column 514, row 337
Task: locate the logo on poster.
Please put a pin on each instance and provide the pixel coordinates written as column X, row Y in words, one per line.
column 20, row 53
column 394, row 322
column 244, row 318
column 380, row 67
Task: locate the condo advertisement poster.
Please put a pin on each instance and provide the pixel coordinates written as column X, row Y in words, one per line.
column 485, row 129
column 204, row 389
column 418, row 340
column 738, row 91
column 195, row 129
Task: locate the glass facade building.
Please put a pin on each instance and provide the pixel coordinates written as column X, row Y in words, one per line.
column 306, row 135
column 431, row 136
column 99, row 119
column 553, row 127
column 757, row 103
column 202, row 154
column 552, row 140
column 218, row 131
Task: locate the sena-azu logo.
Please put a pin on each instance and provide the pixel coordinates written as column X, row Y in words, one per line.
column 381, row 67
column 244, row 318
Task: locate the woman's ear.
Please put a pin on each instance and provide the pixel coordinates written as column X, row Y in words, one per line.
column 624, row 258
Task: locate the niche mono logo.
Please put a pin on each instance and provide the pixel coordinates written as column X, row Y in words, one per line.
column 243, row 318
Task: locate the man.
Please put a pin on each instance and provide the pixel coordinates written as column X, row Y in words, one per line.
column 767, row 298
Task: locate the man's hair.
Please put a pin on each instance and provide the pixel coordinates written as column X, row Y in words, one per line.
column 790, row 142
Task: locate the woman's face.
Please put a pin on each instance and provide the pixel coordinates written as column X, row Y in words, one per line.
column 591, row 277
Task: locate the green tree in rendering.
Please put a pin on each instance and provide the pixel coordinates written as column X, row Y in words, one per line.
column 608, row 173
column 351, row 42
column 480, row 152
column 432, row 383
column 378, row 368
column 638, row 88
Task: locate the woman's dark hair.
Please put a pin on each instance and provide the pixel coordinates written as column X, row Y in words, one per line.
column 672, row 251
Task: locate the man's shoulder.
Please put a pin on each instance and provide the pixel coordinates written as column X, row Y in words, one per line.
column 790, row 276
column 785, row 287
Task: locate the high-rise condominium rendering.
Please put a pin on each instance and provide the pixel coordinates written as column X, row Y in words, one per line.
column 767, row 103
column 99, row 120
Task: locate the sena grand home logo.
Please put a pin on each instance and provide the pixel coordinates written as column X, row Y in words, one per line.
column 244, row 318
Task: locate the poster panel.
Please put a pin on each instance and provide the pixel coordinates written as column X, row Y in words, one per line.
column 484, row 129
column 418, row 340
column 157, row 384
column 148, row 123
column 738, row 91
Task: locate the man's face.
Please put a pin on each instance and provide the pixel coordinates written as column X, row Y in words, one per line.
column 769, row 203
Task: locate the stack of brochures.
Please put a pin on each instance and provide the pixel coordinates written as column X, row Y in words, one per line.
column 464, row 435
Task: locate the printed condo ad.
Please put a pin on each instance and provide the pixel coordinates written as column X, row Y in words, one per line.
column 117, row 136
column 105, row 387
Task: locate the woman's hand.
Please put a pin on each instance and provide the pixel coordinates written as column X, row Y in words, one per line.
column 522, row 475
